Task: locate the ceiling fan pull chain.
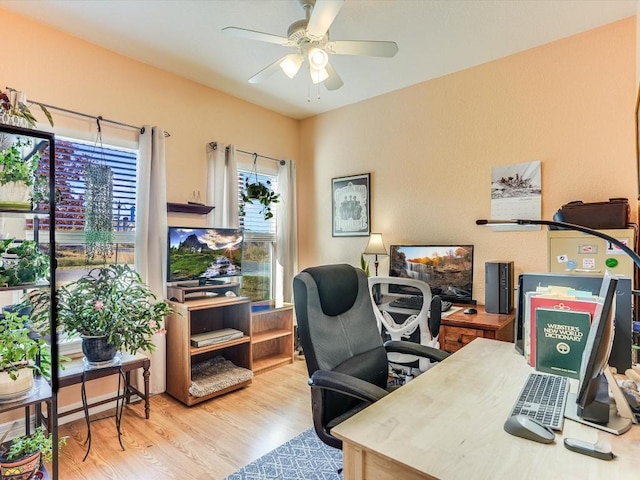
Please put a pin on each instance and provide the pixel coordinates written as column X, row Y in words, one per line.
column 308, row 93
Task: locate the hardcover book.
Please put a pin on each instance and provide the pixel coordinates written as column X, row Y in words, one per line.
column 536, row 301
column 560, row 339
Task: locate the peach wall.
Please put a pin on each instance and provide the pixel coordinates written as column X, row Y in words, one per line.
column 58, row 69
column 430, row 149
column 61, row 70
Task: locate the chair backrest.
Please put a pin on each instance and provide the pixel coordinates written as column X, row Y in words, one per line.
column 338, row 332
column 337, row 323
column 412, row 322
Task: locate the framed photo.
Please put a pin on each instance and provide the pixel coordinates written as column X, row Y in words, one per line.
column 350, row 206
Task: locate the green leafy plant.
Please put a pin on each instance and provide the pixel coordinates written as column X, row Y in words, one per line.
column 14, row 167
column 364, row 265
column 28, row 444
column 22, row 109
column 18, row 349
column 255, row 190
column 109, row 301
column 26, row 265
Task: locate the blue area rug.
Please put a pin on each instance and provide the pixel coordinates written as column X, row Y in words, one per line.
column 304, row 457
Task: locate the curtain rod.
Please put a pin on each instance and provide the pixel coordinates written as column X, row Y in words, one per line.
column 214, row 145
column 85, row 115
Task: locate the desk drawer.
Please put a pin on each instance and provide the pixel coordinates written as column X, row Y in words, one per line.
column 453, row 339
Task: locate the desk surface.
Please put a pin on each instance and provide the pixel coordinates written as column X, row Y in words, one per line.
column 448, row 424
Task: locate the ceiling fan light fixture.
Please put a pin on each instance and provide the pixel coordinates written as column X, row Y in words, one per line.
column 318, row 75
column 291, row 64
column 318, row 58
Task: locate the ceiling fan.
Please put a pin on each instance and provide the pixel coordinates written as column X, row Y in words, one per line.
column 310, row 38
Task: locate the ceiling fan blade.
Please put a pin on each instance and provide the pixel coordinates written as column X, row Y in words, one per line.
column 369, row 48
column 253, row 35
column 267, row 72
column 333, row 82
column 322, row 16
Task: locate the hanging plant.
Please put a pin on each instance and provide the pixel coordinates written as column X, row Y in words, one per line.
column 255, row 190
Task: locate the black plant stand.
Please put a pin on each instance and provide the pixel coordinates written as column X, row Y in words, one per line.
column 121, row 395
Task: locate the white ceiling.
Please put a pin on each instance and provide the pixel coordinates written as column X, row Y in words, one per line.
column 435, row 38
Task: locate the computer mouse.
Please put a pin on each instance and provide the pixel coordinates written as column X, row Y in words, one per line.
column 470, row 311
column 529, row 428
column 229, row 293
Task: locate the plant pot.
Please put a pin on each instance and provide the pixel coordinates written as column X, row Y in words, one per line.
column 20, row 469
column 15, row 195
column 97, row 350
column 11, row 389
column 13, row 120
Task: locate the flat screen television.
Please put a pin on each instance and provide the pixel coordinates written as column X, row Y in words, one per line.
column 204, row 254
column 447, row 269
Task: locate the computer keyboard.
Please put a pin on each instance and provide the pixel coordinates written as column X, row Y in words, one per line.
column 414, row 302
column 543, row 397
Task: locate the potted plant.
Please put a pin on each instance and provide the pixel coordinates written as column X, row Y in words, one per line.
column 255, row 190
column 110, row 306
column 21, row 457
column 19, row 349
column 14, row 110
column 22, row 262
column 19, row 183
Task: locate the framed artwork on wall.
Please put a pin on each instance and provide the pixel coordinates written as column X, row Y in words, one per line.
column 350, row 206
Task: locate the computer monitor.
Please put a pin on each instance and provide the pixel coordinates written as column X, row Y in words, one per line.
column 591, row 404
column 595, row 357
column 447, row 269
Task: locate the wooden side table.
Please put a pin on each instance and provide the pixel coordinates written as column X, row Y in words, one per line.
column 458, row 329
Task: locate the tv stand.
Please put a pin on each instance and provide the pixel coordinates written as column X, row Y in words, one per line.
column 184, row 292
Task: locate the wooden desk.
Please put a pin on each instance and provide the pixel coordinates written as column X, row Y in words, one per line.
column 458, row 329
column 448, row 424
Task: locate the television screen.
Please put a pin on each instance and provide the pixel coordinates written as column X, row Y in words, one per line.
column 448, row 269
column 204, row 254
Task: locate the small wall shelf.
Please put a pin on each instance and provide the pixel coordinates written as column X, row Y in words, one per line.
column 188, row 208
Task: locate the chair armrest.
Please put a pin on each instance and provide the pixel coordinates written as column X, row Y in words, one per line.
column 417, row 349
column 346, row 384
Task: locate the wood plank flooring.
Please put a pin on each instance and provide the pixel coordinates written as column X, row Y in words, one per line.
column 207, row 441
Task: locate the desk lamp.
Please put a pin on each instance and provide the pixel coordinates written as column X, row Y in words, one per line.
column 375, row 247
column 566, row 226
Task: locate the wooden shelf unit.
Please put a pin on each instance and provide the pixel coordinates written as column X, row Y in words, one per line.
column 271, row 335
column 199, row 316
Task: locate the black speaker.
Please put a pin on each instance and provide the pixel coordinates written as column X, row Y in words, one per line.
column 498, row 287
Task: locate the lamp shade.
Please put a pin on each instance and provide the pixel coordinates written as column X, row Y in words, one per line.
column 291, row 63
column 375, row 245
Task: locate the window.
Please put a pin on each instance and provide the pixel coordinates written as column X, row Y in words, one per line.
column 72, row 158
column 259, row 244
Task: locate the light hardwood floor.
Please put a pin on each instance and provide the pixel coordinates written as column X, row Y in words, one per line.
column 207, row 441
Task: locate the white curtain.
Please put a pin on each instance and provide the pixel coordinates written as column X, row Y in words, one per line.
column 287, row 227
column 151, row 235
column 222, row 185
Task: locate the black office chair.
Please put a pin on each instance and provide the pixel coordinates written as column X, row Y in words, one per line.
column 343, row 348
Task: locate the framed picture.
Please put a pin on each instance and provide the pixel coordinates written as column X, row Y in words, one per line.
column 350, row 206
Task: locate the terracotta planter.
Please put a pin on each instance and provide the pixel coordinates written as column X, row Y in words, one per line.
column 97, row 350
column 20, row 469
column 11, row 389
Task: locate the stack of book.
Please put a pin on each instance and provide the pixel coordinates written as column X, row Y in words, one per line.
column 556, row 326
